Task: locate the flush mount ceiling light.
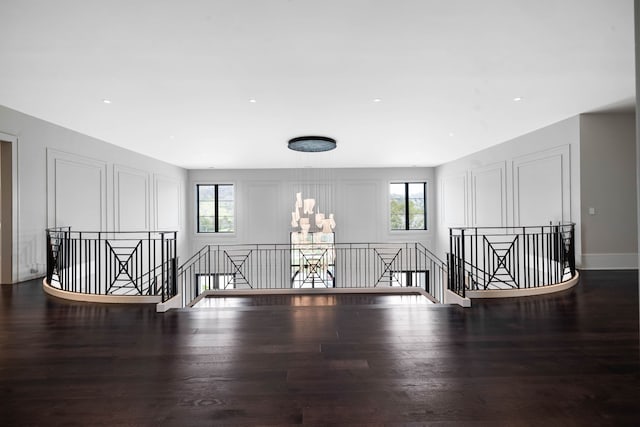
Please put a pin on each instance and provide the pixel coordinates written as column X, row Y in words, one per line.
column 312, row 144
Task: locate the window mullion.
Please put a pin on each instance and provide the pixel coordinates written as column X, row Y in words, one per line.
column 198, row 207
column 424, row 203
column 406, row 206
column 215, row 208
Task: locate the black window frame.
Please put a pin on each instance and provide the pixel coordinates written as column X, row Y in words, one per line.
column 406, row 206
column 216, row 207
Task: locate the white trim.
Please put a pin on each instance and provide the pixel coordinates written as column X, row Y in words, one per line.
column 118, row 171
column 109, row 299
column 307, row 291
column 563, row 153
column 157, row 179
column 620, row 261
column 511, row 293
column 175, row 302
column 442, row 200
column 474, row 175
column 453, row 298
column 56, row 158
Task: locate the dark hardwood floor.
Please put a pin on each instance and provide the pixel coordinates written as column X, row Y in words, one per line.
column 570, row 359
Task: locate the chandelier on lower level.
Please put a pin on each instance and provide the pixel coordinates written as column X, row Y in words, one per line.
column 304, row 220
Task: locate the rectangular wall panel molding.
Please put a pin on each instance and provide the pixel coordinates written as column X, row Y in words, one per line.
column 357, row 218
column 542, row 187
column 489, row 196
column 261, row 224
column 76, row 191
column 131, row 195
column 453, row 200
column 167, row 203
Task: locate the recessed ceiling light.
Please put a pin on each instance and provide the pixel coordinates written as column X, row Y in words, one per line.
column 377, row 100
column 517, row 99
column 451, row 133
column 106, row 101
column 171, row 137
column 252, row 100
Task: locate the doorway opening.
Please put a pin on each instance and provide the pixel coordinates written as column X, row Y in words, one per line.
column 6, row 213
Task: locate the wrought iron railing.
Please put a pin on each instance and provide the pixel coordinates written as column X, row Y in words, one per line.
column 484, row 258
column 283, row 266
column 112, row 263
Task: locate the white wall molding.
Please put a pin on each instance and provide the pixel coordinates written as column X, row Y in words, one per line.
column 71, row 181
column 357, row 217
column 454, row 195
column 167, row 195
column 542, row 183
column 489, row 195
column 262, row 194
column 131, row 189
column 628, row 261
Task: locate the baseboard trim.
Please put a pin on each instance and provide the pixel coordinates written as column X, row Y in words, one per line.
column 620, row 261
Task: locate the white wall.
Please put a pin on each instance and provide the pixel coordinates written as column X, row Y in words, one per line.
column 67, row 178
column 265, row 198
column 608, row 191
column 530, row 180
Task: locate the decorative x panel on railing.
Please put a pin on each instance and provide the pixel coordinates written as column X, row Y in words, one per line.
column 500, row 256
column 388, row 257
column 237, row 260
column 123, row 257
column 313, row 266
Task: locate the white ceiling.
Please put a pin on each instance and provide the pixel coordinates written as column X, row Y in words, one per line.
column 180, row 74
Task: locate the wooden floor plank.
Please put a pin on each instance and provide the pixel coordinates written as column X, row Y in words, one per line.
column 567, row 359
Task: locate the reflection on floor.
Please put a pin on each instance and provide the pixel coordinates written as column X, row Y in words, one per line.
column 306, row 300
column 564, row 359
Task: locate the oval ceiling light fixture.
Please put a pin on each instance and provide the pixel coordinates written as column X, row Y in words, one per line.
column 312, row 144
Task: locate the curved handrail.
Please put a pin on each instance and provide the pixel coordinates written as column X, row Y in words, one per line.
column 114, row 263
column 483, row 258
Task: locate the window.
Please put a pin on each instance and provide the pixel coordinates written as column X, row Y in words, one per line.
column 216, row 212
column 407, row 206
